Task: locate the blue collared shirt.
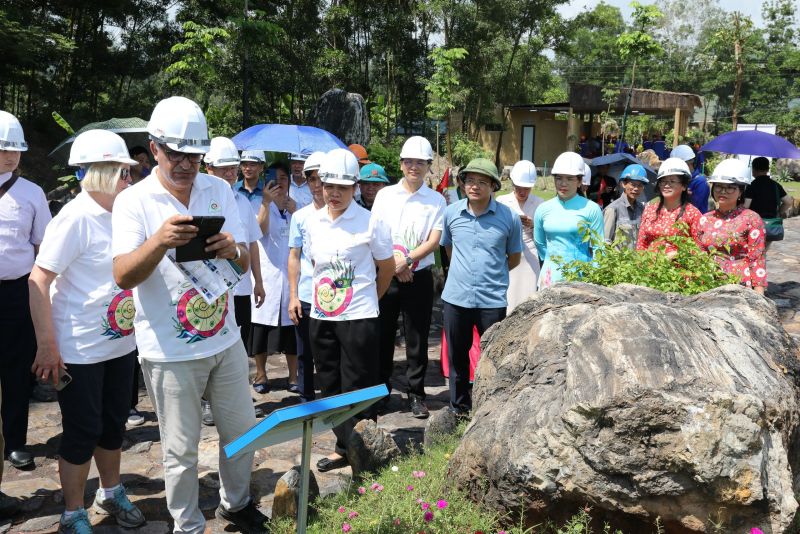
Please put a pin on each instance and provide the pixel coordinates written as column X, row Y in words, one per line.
column 255, row 196
column 699, row 191
column 478, row 276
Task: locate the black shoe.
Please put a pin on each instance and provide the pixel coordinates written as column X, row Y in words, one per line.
column 326, row 464
column 9, row 506
column 208, row 416
column 248, row 520
column 418, row 408
column 20, row 459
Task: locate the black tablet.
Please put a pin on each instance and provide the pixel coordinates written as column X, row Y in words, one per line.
column 194, row 250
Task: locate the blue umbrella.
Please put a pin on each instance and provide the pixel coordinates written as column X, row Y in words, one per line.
column 621, row 159
column 753, row 143
column 286, row 138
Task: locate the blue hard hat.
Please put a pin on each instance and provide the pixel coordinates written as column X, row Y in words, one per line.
column 634, row 172
column 372, row 172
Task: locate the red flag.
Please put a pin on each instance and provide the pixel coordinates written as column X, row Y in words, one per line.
column 444, row 183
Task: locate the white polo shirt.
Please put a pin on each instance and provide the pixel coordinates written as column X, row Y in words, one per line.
column 411, row 216
column 23, row 217
column 253, row 233
column 343, row 252
column 173, row 322
column 301, row 194
column 92, row 316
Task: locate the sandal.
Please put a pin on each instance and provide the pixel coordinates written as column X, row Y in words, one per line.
column 327, row 464
column 261, row 387
column 293, row 388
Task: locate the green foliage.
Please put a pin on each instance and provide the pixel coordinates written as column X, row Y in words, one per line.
column 689, row 271
column 196, row 56
column 61, row 121
column 465, row 149
column 388, row 156
column 638, row 43
column 444, row 85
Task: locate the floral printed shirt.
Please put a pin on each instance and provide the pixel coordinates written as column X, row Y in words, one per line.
column 739, row 236
column 657, row 225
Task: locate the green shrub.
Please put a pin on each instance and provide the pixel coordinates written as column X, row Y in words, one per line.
column 465, row 149
column 387, row 156
column 691, row 270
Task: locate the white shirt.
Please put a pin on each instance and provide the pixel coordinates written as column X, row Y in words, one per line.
column 92, row 316
column 411, row 217
column 253, row 232
column 301, row 194
column 343, row 252
column 23, row 217
column 173, row 322
column 298, row 238
column 273, row 249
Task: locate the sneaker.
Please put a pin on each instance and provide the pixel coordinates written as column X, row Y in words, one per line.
column 208, row 416
column 78, row 523
column 9, row 506
column 123, row 510
column 418, row 408
column 248, row 520
column 135, row 418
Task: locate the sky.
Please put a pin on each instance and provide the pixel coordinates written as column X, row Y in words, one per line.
column 751, row 8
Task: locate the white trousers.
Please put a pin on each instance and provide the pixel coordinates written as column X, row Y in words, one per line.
column 175, row 389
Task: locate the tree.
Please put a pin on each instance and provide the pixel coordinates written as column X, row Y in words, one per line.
column 444, row 88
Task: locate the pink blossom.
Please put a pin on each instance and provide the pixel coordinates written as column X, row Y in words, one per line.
column 409, row 488
column 425, row 506
column 346, row 527
column 362, row 490
column 441, row 504
column 352, row 514
column 342, row 509
column 397, row 521
column 428, row 516
column 377, row 488
column 419, row 501
column 374, row 486
column 755, row 530
column 418, row 474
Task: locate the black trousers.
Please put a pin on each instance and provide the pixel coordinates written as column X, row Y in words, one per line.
column 346, row 357
column 458, row 324
column 305, row 356
column 17, row 352
column 94, row 407
column 415, row 301
column 241, row 304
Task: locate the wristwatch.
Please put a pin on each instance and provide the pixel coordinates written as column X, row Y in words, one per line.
column 409, row 261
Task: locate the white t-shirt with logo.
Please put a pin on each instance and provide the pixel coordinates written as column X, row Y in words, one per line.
column 411, row 216
column 343, row 252
column 253, row 232
column 173, row 322
column 92, row 317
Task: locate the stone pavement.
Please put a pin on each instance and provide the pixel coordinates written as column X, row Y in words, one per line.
column 142, row 471
column 783, row 273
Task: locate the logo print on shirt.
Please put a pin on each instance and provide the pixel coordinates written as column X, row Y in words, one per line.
column 118, row 321
column 197, row 319
column 407, row 243
column 334, row 290
column 214, row 207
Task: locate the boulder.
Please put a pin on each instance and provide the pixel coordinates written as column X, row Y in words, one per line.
column 441, row 423
column 370, row 447
column 343, row 114
column 287, row 493
column 639, row 404
column 790, row 166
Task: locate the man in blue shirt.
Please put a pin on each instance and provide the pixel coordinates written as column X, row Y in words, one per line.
column 699, row 191
column 483, row 239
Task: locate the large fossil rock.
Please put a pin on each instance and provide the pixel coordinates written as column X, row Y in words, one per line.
column 343, row 114
column 639, row 404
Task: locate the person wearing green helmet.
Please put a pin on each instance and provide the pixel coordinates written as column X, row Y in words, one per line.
column 483, row 239
column 371, row 179
column 621, row 217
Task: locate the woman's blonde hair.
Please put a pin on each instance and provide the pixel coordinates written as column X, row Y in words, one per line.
column 102, row 177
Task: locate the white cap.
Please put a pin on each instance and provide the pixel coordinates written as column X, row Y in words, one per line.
column 568, row 164
column 253, row 155
column 674, row 167
column 587, row 175
column 222, row 153
column 180, row 124
column 314, row 160
column 339, row 166
column 12, row 137
column 523, row 174
column 730, row 171
column 98, row 146
column 683, row 152
column 417, row 147
column 298, row 156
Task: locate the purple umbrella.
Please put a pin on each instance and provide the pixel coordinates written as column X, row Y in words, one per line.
column 752, row 143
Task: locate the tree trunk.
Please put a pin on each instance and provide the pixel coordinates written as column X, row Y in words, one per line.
column 737, row 53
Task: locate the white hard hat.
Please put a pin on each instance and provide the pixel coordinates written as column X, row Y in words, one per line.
column 222, row 153
column 683, row 152
column 339, row 166
column 180, row 124
column 569, row 164
column 298, row 156
column 674, row 166
column 253, row 155
column 417, row 147
column 98, row 146
column 11, row 136
column 523, row 174
column 730, row 171
column 313, row 161
column 587, row 175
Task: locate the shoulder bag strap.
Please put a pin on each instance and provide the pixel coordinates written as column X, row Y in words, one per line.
column 6, row 186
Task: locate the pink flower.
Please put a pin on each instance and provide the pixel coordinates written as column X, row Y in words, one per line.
column 377, row 488
column 426, row 506
column 374, row 486
column 755, row 530
column 397, row 521
column 428, row 516
column 342, row 509
column 409, row 488
column 441, row 504
column 362, row 490
column 419, row 501
column 352, row 514
column 346, row 527
column 418, row 474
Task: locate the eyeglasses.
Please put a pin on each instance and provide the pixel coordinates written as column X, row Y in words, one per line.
column 670, row 183
column 124, row 174
column 415, row 162
column 469, row 182
column 177, row 157
column 726, row 188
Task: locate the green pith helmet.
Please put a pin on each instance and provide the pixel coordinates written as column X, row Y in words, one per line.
column 482, row 166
